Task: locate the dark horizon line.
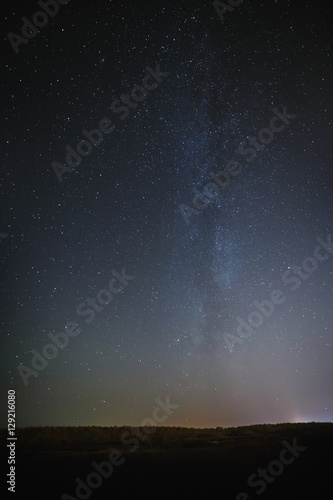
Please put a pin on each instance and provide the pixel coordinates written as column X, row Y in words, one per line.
column 168, row 426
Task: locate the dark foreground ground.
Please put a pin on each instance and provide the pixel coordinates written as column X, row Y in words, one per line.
column 175, row 461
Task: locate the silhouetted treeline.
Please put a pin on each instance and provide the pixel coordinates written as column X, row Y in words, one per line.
column 95, row 437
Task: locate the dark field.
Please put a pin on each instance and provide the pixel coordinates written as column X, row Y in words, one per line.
column 171, row 461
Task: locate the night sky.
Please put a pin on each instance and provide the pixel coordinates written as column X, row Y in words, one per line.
column 157, row 283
